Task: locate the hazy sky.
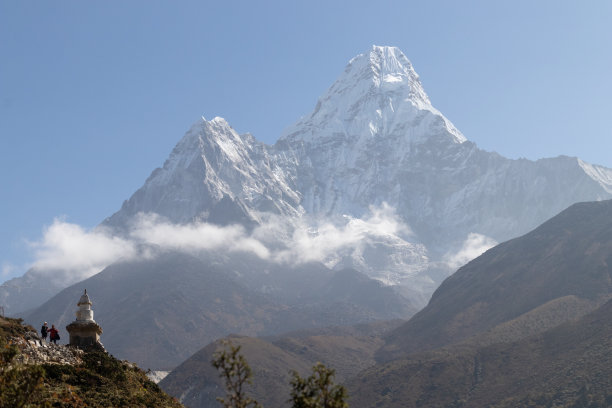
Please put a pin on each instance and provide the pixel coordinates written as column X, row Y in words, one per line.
column 94, row 95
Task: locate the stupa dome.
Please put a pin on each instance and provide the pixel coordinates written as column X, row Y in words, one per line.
column 84, row 300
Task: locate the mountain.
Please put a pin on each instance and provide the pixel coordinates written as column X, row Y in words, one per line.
column 373, row 140
column 354, row 215
column 374, row 137
column 26, row 292
column 527, row 322
column 569, row 255
column 157, row 312
column 566, row 366
column 373, row 144
column 348, row 349
column 213, row 174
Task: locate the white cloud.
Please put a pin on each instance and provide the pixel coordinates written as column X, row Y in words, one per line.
column 150, row 229
column 474, row 246
column 70, row 253
column 74, row 253
column 324, row 240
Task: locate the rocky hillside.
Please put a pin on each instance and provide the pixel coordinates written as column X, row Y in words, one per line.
column 33, row 373
column 567, row 366
column 569, row 255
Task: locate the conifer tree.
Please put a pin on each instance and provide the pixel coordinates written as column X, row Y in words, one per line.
column 318, row 390
column 315, row 391
column 236, row 373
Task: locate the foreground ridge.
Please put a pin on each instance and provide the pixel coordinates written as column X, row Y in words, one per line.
column 34, row 372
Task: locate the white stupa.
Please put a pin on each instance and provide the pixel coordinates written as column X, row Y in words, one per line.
column 84, row 314
column 84, row 331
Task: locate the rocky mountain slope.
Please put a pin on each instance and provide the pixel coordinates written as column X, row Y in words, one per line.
column 34, row 373
column 569, row 255
column 567, row 366
column 158, row 312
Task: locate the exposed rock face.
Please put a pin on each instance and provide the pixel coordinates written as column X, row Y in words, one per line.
column 35, row 351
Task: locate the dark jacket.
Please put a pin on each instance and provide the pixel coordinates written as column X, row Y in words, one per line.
column 44, row 330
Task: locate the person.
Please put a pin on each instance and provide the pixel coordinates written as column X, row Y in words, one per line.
column 53, row 334
column 43, row 331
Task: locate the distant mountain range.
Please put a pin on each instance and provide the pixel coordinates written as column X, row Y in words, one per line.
column 528, row 323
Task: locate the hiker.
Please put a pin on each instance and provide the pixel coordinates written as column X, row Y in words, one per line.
column 43, row 332
column 53, row 334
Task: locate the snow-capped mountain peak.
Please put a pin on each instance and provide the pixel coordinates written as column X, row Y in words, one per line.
column 373, row 140
column 391, row 68
column 378, row 94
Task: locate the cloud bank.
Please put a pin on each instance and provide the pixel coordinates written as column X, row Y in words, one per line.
column 68, row 253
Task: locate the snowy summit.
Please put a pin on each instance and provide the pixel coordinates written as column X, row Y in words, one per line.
column 378, row 94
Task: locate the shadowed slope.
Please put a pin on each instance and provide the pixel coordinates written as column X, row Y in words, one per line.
column 571, row 254
column 567, row 366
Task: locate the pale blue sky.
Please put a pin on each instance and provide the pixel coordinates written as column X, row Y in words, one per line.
column 94, row 95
